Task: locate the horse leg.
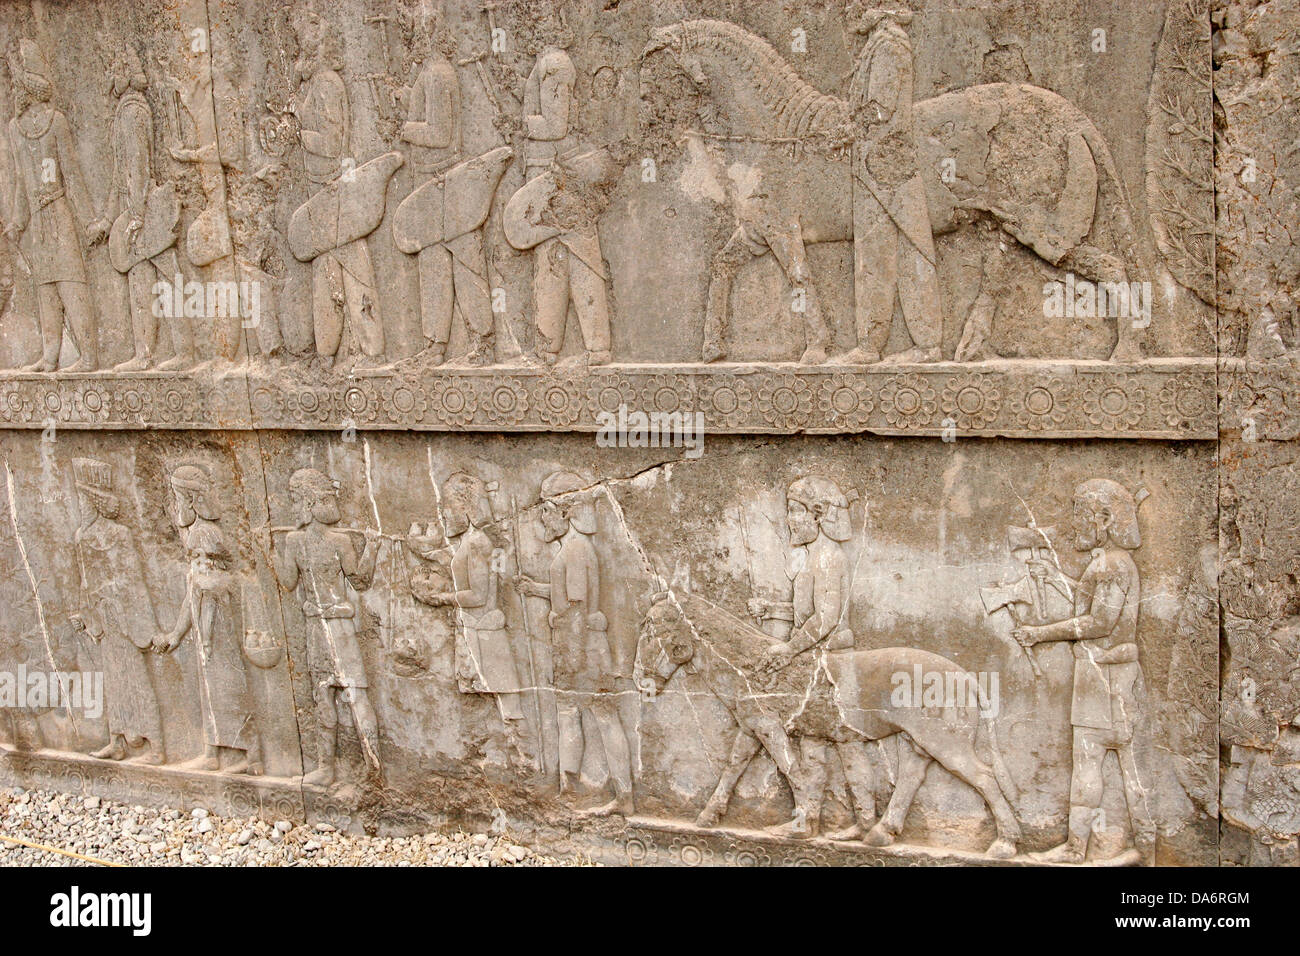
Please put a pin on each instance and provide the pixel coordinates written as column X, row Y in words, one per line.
column 787, row 245
column 777, row 744
column 958, row 757
column 743, row 749
column 736, row 252
column 912, row 764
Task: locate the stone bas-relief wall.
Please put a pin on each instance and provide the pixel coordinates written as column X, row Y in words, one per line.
column 693, row 432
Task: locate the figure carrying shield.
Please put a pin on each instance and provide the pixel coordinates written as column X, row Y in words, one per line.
column 330, row 228
column 144, row 215
column 441, row 221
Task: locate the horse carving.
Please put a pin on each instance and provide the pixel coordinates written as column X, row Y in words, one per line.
column 685, row 631
column 1017, row 154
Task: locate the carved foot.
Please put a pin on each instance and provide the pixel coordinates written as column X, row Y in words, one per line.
column 138, row 364
column 795, row 829
column 848, row 834
column 1001, row 849
column 41, row 366
column 619, row 806
column 600, row 357
column 204, row 763
column 83, row 364
column 879, row 835
column 813, row 355
column 857, row 356
column 1068, row 852
column 176, row 363
column 912, row 357
column 713, row 353
column 150, row 758
column 320, row 777
column 114, row 751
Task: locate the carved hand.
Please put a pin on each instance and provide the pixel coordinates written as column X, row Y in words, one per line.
column 759, row 608
column 97, row 231
column 1026, row 635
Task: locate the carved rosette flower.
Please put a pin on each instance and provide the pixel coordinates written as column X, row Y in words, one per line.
column 726, row 400
column 669, row 393
column 607, row 392
column 689, row 853
column 845, row 400
column 1114, row 403
column 360, row 402
column 178, row 404
column 785, row 401
column 908, row 401
column 15, row 406
column 402, row 403
column 1041, row 404
column 971, row 400
column 90, row 403
column 309, row 405
column 131, row 403
column 1187, row 403
column 505, row 401
column 453, row 402
column 559, row 402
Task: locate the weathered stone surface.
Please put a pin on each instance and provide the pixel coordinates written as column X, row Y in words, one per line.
column 662, row 429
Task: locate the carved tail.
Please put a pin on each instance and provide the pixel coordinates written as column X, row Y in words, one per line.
column 1112, row 192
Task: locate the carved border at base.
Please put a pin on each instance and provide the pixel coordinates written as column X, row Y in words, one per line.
column 1159, row 399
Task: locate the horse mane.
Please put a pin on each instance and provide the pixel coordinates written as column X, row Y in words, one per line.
column 798, row 108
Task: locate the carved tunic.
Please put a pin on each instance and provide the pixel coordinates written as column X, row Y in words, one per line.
column 322, row 109
column 1107, row 676
column 433, row 121
column 580, row 643
column 548, row 94
column 485, row 663
column 48, row 187
column 820, row 588
column 212, row 602
column 330, row 605
column 119, row 616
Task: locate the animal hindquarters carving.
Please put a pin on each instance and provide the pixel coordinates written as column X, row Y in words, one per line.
column 724, row 651
column 1018, row 154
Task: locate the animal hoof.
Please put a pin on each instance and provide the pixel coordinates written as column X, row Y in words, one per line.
column 708, row 818
column 878, row 836
column 1002, row 850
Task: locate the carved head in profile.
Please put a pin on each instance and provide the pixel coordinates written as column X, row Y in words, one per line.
column 816, row 505
column 31, row 75
column 566, row 503
column 128, row 74
column 94, row 482
column 465, row 504
column 191, row 487
column 315, row 497
column 866, row 15
column 1104, row 510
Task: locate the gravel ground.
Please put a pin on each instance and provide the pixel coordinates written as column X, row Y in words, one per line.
column 140, row 836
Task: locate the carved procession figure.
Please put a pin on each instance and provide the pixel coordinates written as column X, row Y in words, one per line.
column 815, row 623
column 346, row 204
column 441, row 221
column 319, row 561
column 484, row 660
column 555, row 213
column 893, row 248
column 1109, row 699
column 144, row 215
column 213, row 613
column 586, row 673
column 51, row 209
column 117, row 613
